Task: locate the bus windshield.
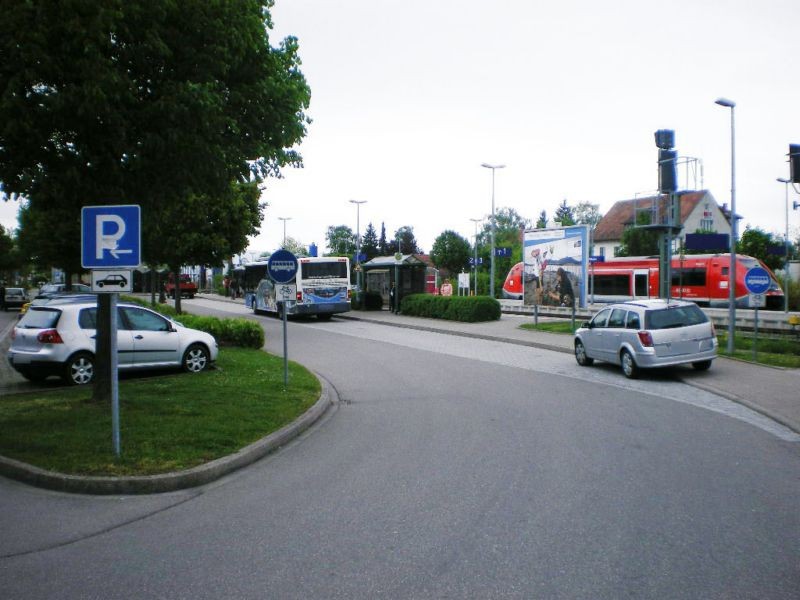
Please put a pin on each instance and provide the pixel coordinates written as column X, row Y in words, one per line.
column 323, row 270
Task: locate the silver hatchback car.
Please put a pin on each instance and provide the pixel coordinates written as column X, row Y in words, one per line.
column 59, row 339
column 644, row 334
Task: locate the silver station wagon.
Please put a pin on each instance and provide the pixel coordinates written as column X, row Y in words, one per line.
column 645, row 334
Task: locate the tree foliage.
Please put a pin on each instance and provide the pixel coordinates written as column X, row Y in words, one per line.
column 183, row 108
column 587, row 213
column 564, row 214
column 756, row 242
column 638, row 241
column 404, row 241
column 541, row 222
column 341, row 240
column 369, row 243
column 451, row 252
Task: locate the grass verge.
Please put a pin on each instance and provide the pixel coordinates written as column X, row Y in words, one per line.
column 167, row 422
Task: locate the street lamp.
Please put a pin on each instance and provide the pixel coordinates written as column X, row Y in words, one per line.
column 358, row 204
column 284, row 219
column 786, row 182
column 732, row 270
column 491, row 258
column 475, row 259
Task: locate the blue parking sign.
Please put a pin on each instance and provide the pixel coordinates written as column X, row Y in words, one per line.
column 111, row 236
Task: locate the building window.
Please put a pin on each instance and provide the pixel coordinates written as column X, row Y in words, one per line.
column 707, row 224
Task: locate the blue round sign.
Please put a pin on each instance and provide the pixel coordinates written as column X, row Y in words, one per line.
column 757, row 280
column 282, row 266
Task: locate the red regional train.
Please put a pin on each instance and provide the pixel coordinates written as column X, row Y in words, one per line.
column 702, row 278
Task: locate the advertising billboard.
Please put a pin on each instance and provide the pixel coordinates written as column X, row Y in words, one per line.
column 555, row 266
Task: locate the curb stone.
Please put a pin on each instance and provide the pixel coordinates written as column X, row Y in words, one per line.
column 170, row 482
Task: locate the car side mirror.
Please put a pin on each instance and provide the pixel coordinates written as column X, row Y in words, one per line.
column 587, row 324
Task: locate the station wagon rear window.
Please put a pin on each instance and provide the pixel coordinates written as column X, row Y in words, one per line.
column 678, row 316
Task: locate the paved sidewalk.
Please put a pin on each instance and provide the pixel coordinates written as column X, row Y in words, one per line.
column 771, row 391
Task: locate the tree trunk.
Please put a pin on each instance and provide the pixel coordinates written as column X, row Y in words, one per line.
column 176, row 280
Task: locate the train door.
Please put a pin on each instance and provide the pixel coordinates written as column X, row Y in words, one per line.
column 641, row 283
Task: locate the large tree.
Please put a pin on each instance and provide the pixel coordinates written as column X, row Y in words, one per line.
column 369, row 243
column 587, row 213
column 451, row 252
column 564, row 214
column 181, row 107
column 765, row 246
column 404, row 241
column 341, row 240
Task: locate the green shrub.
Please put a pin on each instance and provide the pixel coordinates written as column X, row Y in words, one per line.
column 228, row 332
column 469, row 309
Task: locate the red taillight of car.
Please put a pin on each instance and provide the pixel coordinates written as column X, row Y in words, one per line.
column 645, row 338
column 299, row 296
column 49, row 336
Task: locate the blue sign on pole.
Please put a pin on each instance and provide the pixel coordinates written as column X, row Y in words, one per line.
column 111, row 236
column 757, row 280
column 472, row 261
column 503, row 251
column 282, row 266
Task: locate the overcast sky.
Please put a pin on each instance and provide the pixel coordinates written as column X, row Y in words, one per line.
column 410, row 97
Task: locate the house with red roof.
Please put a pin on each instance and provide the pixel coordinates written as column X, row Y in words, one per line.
column 699, row 212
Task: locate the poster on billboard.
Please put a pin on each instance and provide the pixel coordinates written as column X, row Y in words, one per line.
column 555, row 262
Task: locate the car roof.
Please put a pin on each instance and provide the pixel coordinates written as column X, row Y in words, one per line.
column 652, row 303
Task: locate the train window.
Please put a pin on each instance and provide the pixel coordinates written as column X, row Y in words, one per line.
column 612, row 285
column 724, row 271
column 689, row 276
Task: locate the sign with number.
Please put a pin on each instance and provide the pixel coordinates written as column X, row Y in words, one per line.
column 502, row 251
column 757, row 280
column 282, row 266
column 111, row 236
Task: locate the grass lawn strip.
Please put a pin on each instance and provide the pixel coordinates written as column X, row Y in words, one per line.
column 167, row 423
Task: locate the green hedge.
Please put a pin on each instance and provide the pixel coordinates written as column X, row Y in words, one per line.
column 469, row 309
column 228, row 332
column 367, row 301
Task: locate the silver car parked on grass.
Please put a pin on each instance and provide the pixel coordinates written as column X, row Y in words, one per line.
column 59, row 339
column 644, row 334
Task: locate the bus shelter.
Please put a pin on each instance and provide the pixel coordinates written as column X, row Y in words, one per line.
column 406, row 272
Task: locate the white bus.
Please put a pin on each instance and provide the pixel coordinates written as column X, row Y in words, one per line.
column 323, row 288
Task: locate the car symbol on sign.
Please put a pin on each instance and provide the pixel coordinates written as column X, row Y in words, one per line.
column 112, row 280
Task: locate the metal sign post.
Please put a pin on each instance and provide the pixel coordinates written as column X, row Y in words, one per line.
column 282, row 269
column 111, row 240
column 757, row 282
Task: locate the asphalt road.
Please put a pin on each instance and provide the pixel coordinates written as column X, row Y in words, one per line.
column 451, row 468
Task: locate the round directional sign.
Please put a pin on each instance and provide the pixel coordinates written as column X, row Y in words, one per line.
column 757, row 280
column 282, row 266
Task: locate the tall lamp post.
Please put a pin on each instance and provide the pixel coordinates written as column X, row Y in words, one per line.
column 786, row 182
column 475, row 258
column 491, row 258
column 358, row 204
column 284, row 219
column 732, row 270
